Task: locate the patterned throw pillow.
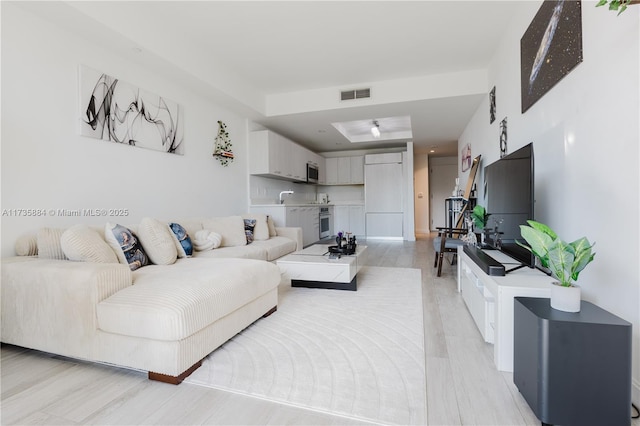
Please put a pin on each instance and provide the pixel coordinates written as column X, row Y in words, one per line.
column 261, row 230
column 249, row 225
column 126, row 245
column 183, row 240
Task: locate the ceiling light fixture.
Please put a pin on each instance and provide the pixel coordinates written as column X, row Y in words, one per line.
column 375, row 130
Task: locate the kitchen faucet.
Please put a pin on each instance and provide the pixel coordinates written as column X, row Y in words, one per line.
column 284, row 192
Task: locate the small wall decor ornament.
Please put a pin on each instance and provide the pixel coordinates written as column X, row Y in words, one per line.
column 503, row 137
column 223, row 149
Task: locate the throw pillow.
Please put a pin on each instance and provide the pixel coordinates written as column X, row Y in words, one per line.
column 126, row 246
column 206, row 240
column 83, row 244
column 49, row 243
column 249, row 225
column 272, row 227
column 182, row 240
column 231, row 228
column 157, row 240
column 27, row 245
column 261, row 230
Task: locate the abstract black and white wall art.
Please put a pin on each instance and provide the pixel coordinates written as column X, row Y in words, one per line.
column 549, row 49
column 120, row 112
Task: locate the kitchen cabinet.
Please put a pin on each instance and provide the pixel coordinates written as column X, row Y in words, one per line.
column 275, row 156
column 266, row 154
column 389, row 157
column 384, row 225
column 298, row 162
column 349, row 218
column 331, row 171
column 356, row 220
column 305, row 217
column 344, row 170
column 356, row 165
column 310, row 224
column 341, row 219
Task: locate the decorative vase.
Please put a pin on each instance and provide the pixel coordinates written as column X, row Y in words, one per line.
column 566, row 299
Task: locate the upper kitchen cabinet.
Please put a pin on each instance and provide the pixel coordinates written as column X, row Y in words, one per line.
column 389, row 157
column 331, row 171
column 357, row 169
column 344, row 170
column 275, row 156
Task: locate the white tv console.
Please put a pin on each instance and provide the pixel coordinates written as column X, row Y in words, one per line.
column 490, row 299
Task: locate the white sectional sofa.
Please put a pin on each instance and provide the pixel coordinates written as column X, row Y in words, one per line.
column 161, row 318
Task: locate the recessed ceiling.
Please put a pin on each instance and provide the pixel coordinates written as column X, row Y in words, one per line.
column 242, row 54
column 390, row 129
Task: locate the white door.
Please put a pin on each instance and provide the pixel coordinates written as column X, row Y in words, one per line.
column 442, row 180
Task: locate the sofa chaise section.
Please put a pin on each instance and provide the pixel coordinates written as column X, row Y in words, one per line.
column 163, row 319
column 177, row 326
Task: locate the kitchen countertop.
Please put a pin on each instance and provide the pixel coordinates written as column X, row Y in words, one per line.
column 302, row 204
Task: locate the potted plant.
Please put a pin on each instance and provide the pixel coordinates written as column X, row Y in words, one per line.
column 480, row 218
column 564, row 260
column 620, row 5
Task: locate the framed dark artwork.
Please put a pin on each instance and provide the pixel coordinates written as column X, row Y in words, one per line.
column 503, row 137
column 492, row 105
column 549, row 49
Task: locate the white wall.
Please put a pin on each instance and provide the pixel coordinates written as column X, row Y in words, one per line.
column 47, row 165
column 585, row 135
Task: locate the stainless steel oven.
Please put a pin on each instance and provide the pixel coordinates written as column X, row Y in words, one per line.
column 326, row 222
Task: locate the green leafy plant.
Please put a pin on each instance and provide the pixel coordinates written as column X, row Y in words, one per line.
column 222, row 146
column 565, row 260
column 619, row 5
column 480, row 217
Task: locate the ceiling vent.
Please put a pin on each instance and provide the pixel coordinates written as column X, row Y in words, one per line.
column 348, row 95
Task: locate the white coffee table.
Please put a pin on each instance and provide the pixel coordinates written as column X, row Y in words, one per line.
column 312, row 267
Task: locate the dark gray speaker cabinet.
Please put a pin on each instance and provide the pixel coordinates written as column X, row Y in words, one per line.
column 572, row 368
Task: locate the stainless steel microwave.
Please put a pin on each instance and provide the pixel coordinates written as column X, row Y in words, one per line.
column 312, row 173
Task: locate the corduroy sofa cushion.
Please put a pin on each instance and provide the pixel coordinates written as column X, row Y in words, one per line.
column 171, row 302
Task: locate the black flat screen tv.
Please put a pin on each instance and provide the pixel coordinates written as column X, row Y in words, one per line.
column 509, row 198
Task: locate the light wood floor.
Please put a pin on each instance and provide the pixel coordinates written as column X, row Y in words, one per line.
column 463, row 386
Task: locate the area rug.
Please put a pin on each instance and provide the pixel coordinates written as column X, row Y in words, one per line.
column 358, row 354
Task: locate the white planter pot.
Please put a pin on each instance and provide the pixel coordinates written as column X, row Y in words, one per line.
column 565, row 299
